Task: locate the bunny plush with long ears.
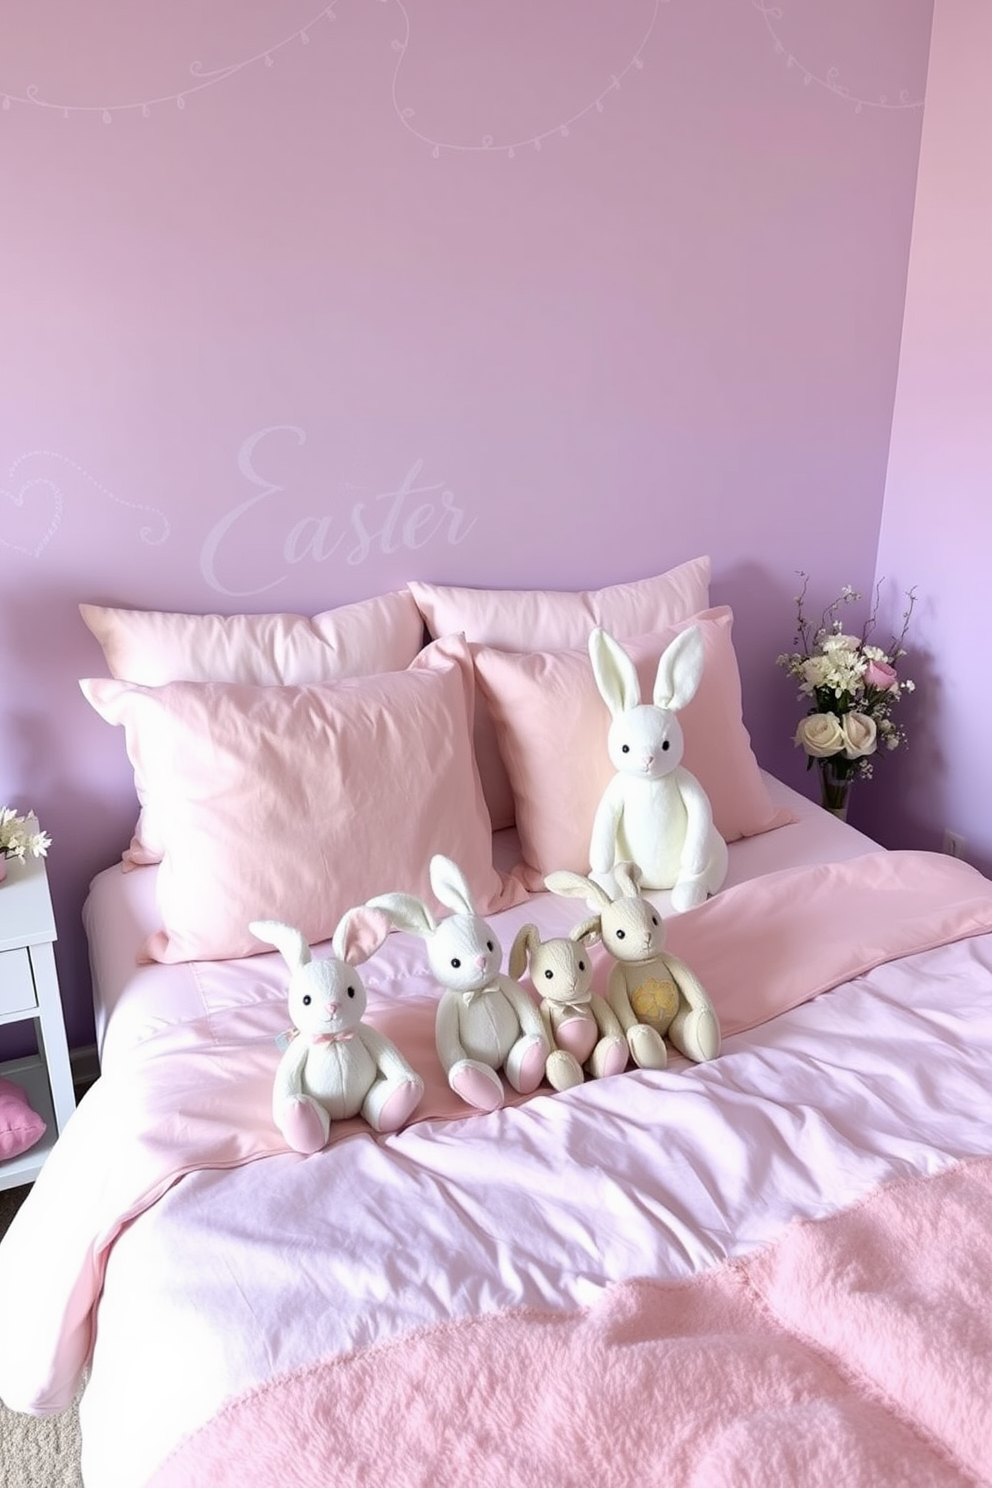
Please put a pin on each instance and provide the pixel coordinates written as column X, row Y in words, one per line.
column 654, row 994
column 654, row 812
column 334, row 1065
column 486, row 1022
column 582, row 1029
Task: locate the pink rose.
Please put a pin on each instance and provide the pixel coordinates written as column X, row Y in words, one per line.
column 879, row 674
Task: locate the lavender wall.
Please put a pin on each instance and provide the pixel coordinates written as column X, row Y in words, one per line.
column 299, row 303
column 937, row 529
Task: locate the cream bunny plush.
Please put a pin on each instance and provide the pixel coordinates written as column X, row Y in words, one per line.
column 335, row 1066
column 654, row 994
column 485, row 1021
column 654, row 812
column 581, row 1028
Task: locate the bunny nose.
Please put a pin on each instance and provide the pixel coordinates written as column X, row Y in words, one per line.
column 331, row 1009
column 481, row 961
column 648, row 761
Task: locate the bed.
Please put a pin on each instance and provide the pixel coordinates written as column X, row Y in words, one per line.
column 768, row 1268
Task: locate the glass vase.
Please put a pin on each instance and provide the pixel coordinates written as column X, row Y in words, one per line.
column 836, row 778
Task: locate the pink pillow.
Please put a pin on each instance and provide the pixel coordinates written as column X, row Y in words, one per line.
column 295, row 803
column 552, row 620
column 20, row 1126
column 153, row 647
column 551, row 724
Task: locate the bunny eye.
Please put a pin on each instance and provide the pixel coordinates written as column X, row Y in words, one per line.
column 621, row 935
column 351, row 991
column 455, row 961
column 624, row 748
column 307, row 999
column 489, row 945
column 549, row 974
column 654, row 919
column 667, row 744
column 582, row 966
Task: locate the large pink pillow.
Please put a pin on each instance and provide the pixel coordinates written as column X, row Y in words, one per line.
column 381, row 634
column 552, row 620
column 551, row 725
column 20, row 1125
column 295, row 803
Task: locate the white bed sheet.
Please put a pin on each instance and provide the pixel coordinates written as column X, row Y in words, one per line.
column 134, row 1003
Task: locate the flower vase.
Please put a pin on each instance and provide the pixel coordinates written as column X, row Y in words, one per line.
column 836, row 777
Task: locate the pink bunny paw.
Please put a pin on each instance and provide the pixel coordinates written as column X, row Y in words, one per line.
column 477, row 1085
column 304, row 1124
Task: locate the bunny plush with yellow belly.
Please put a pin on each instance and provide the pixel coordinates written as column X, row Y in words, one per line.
column 655, row 995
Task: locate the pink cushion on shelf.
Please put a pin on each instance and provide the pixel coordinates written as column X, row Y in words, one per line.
column 552, row 620
column 552, row 724
column 295, row 803
column 154, row 647
column 20, row 1125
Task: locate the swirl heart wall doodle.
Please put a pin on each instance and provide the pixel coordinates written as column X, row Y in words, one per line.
column 29, row 521
column 31, row 513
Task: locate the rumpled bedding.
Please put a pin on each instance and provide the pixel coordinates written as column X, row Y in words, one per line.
column 259, row 1263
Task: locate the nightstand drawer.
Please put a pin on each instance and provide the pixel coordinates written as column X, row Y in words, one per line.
column 17, row 990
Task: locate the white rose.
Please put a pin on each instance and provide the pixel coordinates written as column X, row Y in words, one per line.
column 820, row 734
column 860, row 735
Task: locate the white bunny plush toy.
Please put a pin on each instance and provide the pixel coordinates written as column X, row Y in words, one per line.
column 654, row 812
column 486, row 1022
column 654, row 994
column 582, row 1029
column 335, row 1066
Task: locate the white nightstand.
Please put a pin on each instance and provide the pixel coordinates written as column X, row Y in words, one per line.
column 29, row 993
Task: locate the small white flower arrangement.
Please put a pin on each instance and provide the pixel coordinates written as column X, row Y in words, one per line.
column 17, row 839
column 850, row 684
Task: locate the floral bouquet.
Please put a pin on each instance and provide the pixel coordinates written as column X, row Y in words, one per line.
column 17, row 838
column 851, row 686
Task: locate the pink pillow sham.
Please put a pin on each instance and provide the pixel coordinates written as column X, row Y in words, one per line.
column 551, row 725
column 295, row 803
column 154, row 647
column 552, row 620
column 20, row 1125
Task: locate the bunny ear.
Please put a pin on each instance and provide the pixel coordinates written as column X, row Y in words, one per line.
column 615, row 673
column 587, row 931
column 680, row 670
column 450, row 885
column 524, row 942
column 290, row 942
column 576, row 886
column 405, row 912
column 628, row 879
column 360, row 933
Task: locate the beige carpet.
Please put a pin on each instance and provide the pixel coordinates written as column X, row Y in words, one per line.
column 36, row 1452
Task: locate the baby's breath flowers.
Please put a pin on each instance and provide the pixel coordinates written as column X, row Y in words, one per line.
column 850, row 684
column 17, row 837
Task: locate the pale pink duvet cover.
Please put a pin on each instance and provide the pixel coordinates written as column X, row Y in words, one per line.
column 213, row 1273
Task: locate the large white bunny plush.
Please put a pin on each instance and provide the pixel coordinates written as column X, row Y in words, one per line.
column 486, row 1022
column 582, row 1029
column 654, row 812
column 654, row 994
column 334, row 1065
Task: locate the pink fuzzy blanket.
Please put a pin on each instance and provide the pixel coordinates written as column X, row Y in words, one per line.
column 856, row 1352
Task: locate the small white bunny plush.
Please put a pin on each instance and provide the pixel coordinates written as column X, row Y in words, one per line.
column 654, row 994
column 654, row 812
column 582, row 1029
column 486, row 1022
column 335, row 1066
